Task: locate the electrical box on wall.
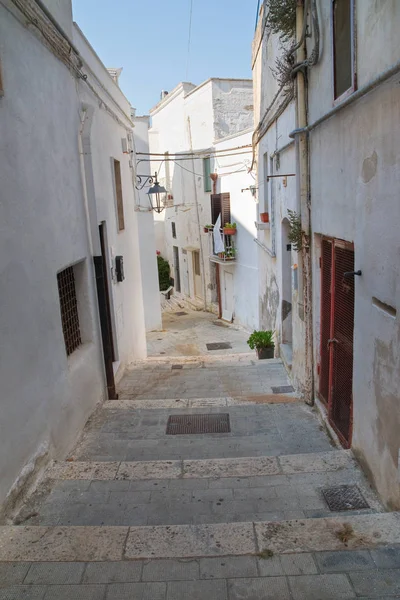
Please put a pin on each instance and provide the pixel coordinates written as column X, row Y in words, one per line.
column 119, row 268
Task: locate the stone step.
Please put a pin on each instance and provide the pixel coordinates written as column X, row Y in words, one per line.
column 88, row 544
column 157, row 403
column 335, row 460
column 194, row 491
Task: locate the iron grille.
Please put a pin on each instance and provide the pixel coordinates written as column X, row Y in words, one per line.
column 343, row 327
column 69, row 309
column 344, row 497
column 219, row 346
column 326, row 276
column 190, row 424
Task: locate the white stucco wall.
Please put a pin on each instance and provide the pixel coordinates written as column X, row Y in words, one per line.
column 188, row 118
column 280, row 299
column 106, row 136
column 46, row 396
column 355, row 166
column 53, row 129
column 233, row 177
column 147, row 235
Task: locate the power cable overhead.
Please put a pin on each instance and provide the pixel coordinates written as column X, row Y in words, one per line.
column 189, row 40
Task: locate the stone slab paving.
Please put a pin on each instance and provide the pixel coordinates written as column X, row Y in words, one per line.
column 195, row 492
column 209, row 378
column 216, row 468
column 365, row 574
column 187, row 335
column 64, row 544
column 256, row 430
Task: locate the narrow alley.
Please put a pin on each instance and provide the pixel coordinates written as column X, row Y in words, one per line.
column 258, row 502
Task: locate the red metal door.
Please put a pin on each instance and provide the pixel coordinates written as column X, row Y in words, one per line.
column 336, row 382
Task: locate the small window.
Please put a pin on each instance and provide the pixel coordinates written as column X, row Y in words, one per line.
column 221, row 205
column 173, row 227
column 118, row 193
column 207, row 173
column 69, row 309
column 196, row 256
column 343, row 47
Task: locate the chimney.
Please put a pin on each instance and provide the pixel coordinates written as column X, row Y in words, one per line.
column 163, row 94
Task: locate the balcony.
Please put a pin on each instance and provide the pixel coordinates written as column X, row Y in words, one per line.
column 228, row 254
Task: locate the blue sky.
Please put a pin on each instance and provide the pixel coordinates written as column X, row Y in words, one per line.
column 149, row 39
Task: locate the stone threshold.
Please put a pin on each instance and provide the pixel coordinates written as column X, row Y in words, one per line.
column 160, row 403
column 90, row 544
column 209, row 468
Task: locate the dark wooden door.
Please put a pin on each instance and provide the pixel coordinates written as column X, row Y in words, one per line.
column 105, row 314
column 337, row 330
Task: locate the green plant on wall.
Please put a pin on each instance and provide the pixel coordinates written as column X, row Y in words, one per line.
column 281, row 18
column 163, row 273
column 295, row 234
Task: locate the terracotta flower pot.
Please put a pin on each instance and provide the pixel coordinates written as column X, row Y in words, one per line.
column 264, row 217
column 229, row 231
column 263, row 353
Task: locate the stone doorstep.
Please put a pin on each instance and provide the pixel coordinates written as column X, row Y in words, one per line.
column 334, row 460
column 159, row 403
column 91, row 544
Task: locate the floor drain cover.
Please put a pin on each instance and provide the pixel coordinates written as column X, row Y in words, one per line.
column 181, row 313
column 282, row 389
column 344, row 497
column 219, row 346
column 211, row 423
column 177, row 367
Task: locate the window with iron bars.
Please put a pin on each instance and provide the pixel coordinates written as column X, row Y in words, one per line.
column 69, row 309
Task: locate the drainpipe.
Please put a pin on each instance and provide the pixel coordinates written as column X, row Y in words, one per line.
column 196, row 200
column 305, row 296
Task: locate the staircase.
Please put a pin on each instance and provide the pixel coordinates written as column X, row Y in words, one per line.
column 136, row 513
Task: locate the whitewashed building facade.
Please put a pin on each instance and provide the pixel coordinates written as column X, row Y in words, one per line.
column 339, row 135
column 72, row 314
column 200, row 141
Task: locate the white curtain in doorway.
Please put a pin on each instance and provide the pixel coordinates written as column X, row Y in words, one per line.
column 218, row 239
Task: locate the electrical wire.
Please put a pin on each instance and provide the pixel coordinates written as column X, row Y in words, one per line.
column 196, row 152
column 189, row 39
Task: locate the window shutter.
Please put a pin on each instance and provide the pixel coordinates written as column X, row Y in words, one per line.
column 215, row 207
column 206, row 173
column 225, row 208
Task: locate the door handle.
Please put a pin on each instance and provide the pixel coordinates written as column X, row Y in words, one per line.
column 332, row 341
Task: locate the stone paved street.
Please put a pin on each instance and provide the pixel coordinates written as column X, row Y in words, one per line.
column 136, row 513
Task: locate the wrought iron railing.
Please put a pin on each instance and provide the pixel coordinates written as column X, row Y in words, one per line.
column 229, row 254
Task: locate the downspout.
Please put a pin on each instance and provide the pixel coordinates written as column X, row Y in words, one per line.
column 196, row 201
column 304, row 207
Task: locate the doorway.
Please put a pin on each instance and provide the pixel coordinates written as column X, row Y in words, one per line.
column 198, row 287
column 337, row 330
column 103, row 298
column 227, row 295
column 177, row 272
column 286, row 302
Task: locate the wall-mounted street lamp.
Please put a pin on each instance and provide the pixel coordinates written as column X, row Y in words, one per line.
column 156, row 194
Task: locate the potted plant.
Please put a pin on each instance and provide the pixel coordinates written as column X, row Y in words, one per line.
column 230, row 229
column 263, row 343
column 264, row 217
column 208, row 228
column 230, row 253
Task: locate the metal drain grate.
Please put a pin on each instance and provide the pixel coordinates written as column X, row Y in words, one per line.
column 210, row 423
column 219, row 346
column 181, row 314
column 177, row 367
column 344, row 497
column 282, row 389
